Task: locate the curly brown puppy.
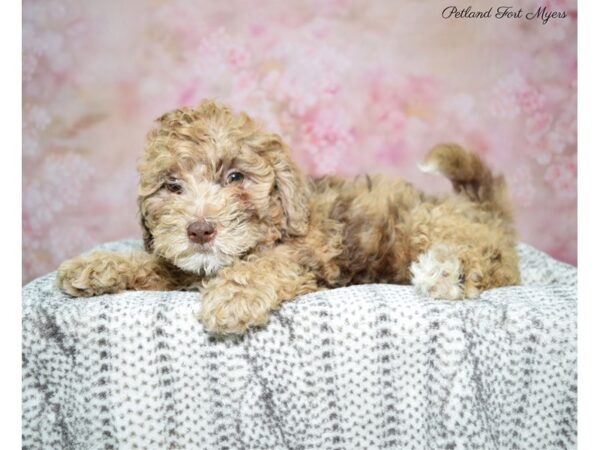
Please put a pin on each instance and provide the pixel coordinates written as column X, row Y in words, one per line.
column 224, row 209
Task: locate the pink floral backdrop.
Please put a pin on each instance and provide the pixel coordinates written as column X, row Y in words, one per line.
column 353, row 86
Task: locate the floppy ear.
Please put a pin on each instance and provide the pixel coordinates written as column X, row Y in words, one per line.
column 147, row 236
column 150, row 181
column 293, row 190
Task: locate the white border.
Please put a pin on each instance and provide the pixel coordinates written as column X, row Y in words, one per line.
column 588, row 222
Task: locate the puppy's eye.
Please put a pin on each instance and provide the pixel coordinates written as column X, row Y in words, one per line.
column 173, row 186
column 235, row 177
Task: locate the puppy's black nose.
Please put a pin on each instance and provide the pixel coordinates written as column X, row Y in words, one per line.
column 201, row 232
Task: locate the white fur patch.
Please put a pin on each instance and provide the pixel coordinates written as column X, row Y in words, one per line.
column 201, row 263
column 437, row 273
column 428, row 168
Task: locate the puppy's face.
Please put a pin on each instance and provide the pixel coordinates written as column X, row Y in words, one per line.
column 215, row 187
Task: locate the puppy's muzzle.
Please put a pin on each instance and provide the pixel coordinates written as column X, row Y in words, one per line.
column 201, row 232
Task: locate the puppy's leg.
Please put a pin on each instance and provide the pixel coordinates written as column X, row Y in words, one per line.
column 438, row 273
column 110, row 272
column 453, row 270
column 461, row 250
column 244, row 294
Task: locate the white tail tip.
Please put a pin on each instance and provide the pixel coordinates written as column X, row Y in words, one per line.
column 428, row 168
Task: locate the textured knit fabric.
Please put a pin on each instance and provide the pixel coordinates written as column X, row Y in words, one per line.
column 363, row 367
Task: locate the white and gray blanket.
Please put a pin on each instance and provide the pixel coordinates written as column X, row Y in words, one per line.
column 364, row 367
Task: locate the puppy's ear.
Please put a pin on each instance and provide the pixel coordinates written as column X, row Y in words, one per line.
column 147, row 236
column 291, row 187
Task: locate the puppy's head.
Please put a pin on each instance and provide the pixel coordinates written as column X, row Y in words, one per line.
column 214, row 187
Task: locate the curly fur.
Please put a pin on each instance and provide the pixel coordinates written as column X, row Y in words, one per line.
column 280, row 234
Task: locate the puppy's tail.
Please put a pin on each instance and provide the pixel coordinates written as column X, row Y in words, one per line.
column 470, row 176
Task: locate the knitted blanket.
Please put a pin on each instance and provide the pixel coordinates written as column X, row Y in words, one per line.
column 363, row 367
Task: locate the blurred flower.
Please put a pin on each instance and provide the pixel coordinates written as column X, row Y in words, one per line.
column 521, row 184
column 536, row 126
column 562, row 177
column 60, row 182
column 530, row 100
column 390, row 153
column 566, row 125
column 505, row 95
column 38, row 117
column 328, row 137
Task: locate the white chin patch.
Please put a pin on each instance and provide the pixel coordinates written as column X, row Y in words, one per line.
column 201, row 263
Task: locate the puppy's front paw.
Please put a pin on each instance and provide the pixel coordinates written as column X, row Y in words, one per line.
column 93, row 274
column 230, row 308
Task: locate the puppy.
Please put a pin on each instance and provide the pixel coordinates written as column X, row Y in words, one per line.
column 225, row 210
